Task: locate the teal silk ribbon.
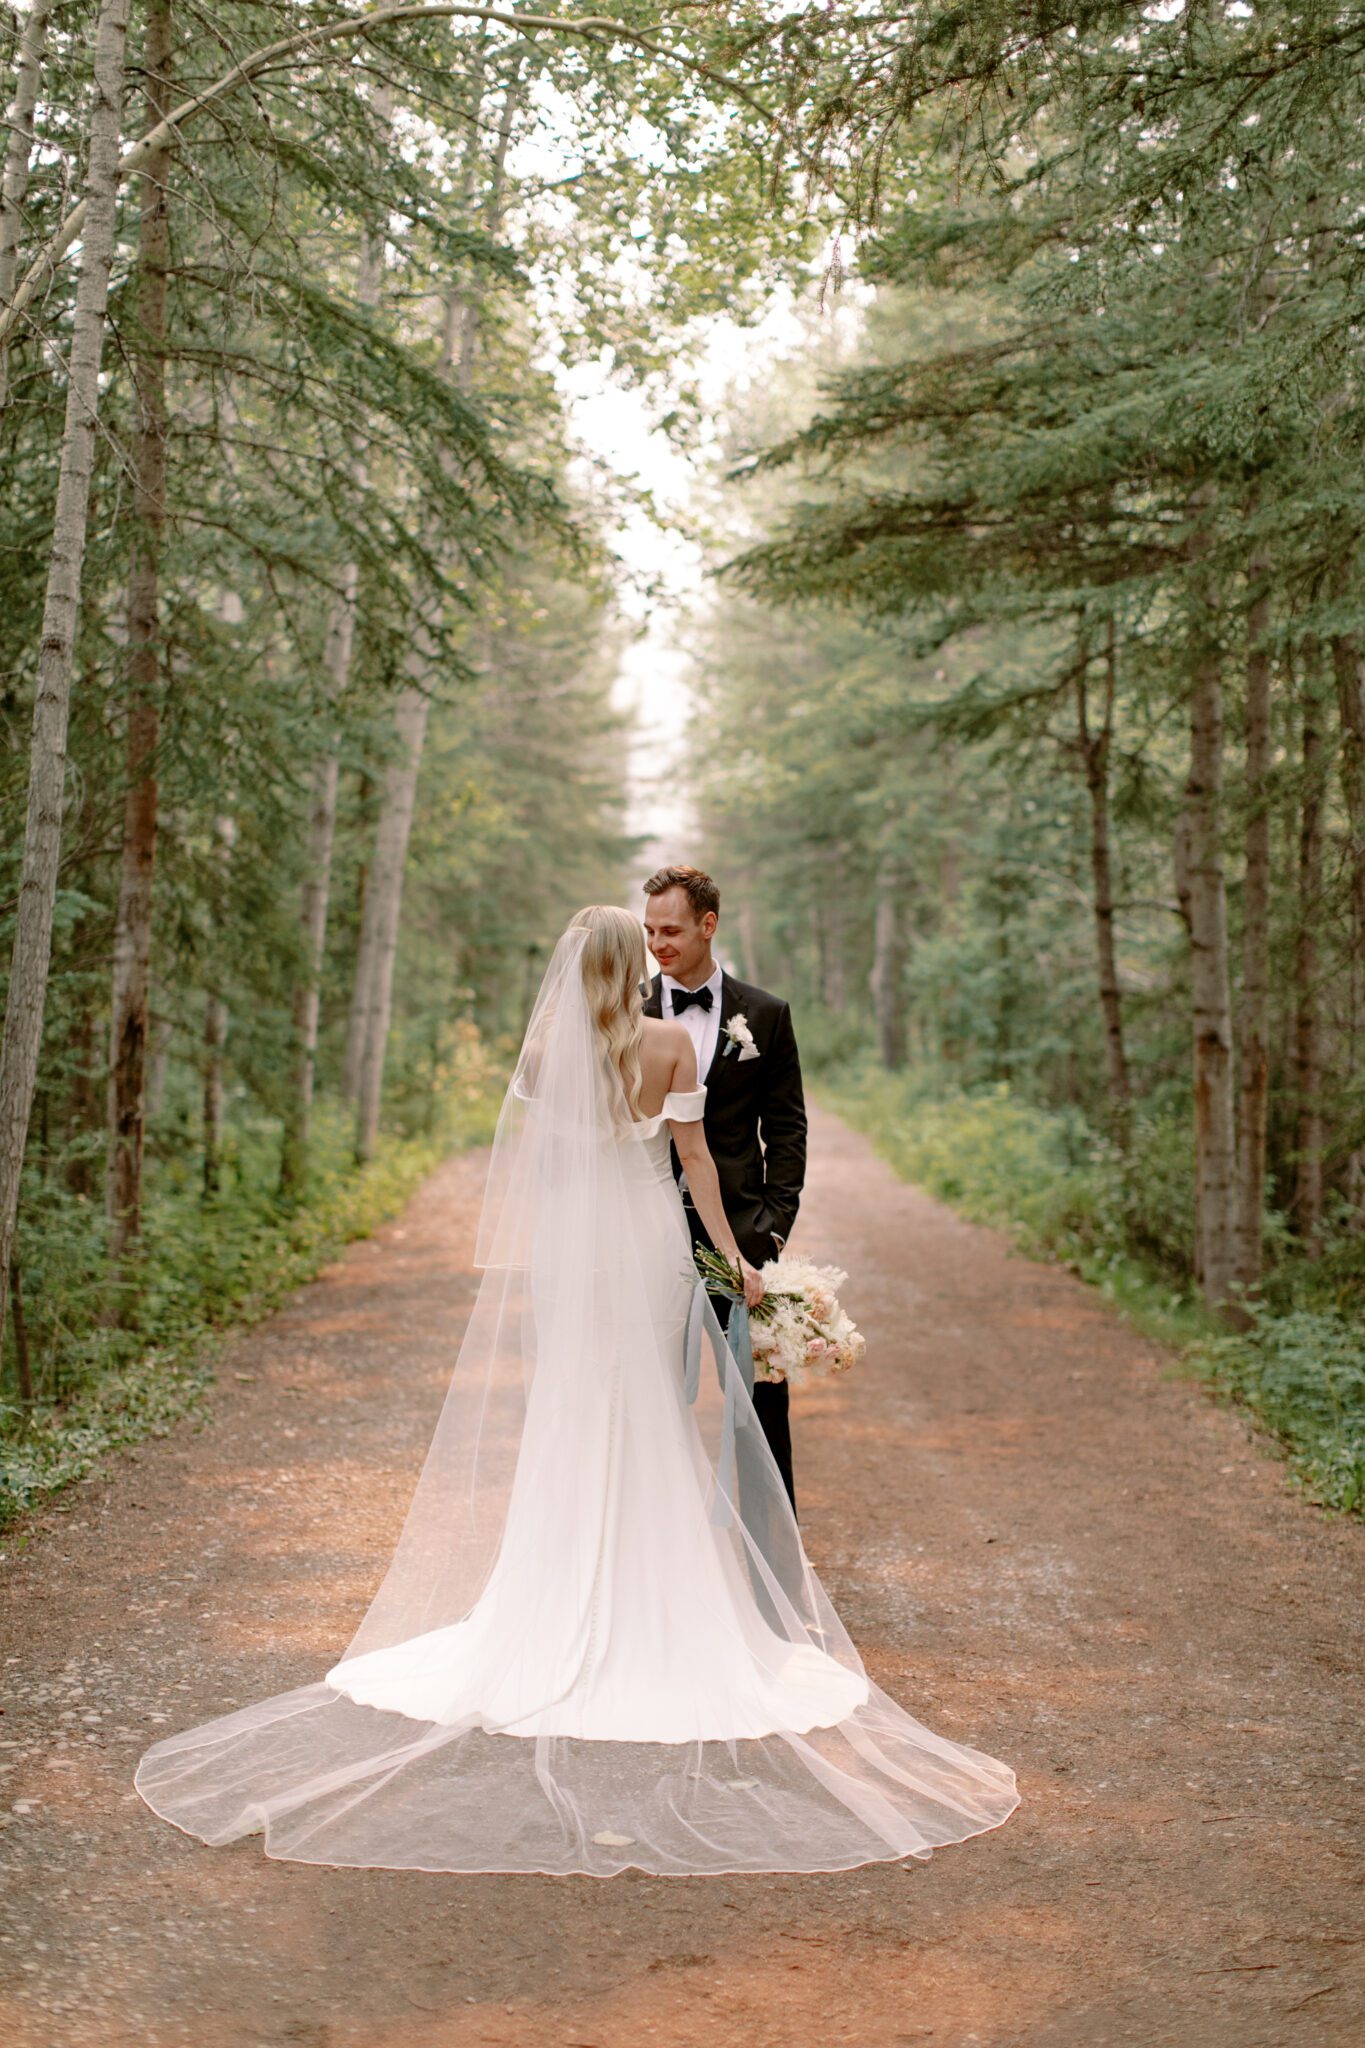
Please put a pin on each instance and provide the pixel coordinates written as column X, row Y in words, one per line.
column 702, row 1316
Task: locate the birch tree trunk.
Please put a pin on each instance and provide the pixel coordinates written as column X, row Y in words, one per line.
column 1095, row 750
column 371, row 1006
column 315, row 899
column 133, row 922
column 1307, row 995
column 1349, row 671
column 32, row 953
column 215, row 1037
column 384, row 896
column 1211, row 997
column 18, row 152
column 889, row 954
column 1254, row 1105
column 361, row 983
column 322, row 811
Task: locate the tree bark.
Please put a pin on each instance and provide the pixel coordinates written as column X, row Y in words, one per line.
column 322, row 810
column 361, row 982
column 1349, row 671
column 307, row 45
column 23, row 1366
column 1254, row 1107
column 314, row 901
column 215, row 1037
column 1211, row 997
column 18, row 152
column 1308, row 1188
column 1095, row 750
column 133, row 923
column 384, row 895
column 372, row 999
column 215, row 1034
column 32, row 952
column 889, row 955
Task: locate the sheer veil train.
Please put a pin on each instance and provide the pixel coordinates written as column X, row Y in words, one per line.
column 599, row 1643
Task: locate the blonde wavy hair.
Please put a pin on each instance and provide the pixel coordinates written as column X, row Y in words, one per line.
column 613, row 969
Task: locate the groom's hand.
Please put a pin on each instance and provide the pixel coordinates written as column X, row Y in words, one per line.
column 754, row 1289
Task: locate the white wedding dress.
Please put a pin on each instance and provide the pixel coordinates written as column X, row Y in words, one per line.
column 612, row 1470
column 599, row 1643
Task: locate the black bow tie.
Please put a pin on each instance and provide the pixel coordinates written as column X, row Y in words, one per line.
column 683, row 996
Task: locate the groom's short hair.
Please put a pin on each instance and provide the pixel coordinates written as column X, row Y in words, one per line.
column 700, row 891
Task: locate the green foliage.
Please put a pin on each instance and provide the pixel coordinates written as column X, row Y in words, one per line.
column 1302, row 1375
column 1122, row 1223
column 1063, row 1189
column 209, row 1265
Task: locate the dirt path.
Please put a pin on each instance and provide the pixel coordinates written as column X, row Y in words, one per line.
column 1042, row 1546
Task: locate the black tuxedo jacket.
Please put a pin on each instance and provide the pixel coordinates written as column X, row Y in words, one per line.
column 755, row 1117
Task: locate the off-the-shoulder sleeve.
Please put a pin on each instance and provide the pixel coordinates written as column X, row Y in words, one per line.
column 685, row 1108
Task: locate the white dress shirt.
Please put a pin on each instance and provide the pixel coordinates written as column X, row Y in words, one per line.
column 703, row 1026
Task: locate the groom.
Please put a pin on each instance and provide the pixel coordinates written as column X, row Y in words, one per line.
column 755, row 1109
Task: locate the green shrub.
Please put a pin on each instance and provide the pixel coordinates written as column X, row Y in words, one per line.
column 208, row 1263
column 1303, row 1375
column 1124, row 1223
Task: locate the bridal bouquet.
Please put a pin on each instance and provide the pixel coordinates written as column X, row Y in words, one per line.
column 799, row 1331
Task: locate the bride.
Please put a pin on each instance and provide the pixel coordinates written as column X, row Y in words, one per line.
column 599, row 1644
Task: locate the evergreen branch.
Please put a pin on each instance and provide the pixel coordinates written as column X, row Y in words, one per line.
column 309, row 42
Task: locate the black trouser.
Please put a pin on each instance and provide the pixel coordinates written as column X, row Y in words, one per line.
column 772, row 1401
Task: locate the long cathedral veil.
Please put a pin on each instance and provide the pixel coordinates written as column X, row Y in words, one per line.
column 599, row 1643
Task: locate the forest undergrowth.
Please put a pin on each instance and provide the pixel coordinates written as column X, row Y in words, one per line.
column 1123, row 1223
column 110, row 1373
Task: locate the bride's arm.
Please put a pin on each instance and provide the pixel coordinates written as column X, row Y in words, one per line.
column 703, row 1182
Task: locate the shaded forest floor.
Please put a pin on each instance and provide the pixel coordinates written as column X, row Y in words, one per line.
column 1043, row 1543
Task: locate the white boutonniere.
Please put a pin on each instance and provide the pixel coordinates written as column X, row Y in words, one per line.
column 740, row 1036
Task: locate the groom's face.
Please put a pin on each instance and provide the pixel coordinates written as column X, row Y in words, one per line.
column 679, row 940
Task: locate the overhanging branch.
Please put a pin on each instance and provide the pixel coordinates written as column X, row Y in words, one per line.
column 592, row 27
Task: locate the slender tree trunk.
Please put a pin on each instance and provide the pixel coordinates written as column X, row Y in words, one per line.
column 315, row 898
column 23, row 1367
column 215, row 1037
column 52, row 700
column 1307, row 996
column 384, row 895
column 1349, row 671
column 361, row 981
column 1214, row 1124
column 371, row 1005
column 85, row 1098
column 215, row 1032
column 889, row 956
column 1254, row 1107
column 18, row 151
column 322, row 809
column 133, row 925
column 1095, row 750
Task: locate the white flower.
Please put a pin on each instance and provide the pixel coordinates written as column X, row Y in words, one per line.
column 738, row 1032
column 805, row 1333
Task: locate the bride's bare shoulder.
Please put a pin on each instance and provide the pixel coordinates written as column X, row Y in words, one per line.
column 663, row 1037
